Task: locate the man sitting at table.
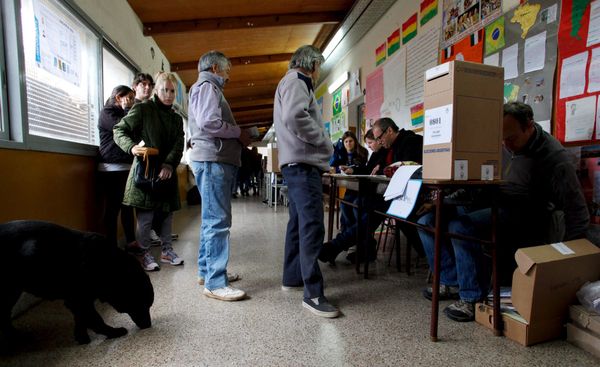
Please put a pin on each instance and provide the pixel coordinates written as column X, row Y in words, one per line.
column 541, row 202
column 400, row 145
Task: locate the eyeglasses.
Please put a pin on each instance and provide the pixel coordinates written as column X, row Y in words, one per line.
column 378, row 138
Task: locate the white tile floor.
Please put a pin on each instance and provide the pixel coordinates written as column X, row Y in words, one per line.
column 385, row 320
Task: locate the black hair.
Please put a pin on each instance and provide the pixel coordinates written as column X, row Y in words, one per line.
column 522, row 112
column 118, row 91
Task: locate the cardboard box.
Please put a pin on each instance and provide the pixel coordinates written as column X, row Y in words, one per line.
column 463, row 121
column 585, row 319
column 272, row 161
column 546, row 280
column 584, row 339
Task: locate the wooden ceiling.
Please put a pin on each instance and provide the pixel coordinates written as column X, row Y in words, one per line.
column 258, row 36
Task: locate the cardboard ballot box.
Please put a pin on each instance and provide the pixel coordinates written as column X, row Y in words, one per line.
column 462, row 136
column 272, row 160
column 545, row 283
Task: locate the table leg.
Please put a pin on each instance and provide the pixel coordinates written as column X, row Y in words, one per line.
column 497, row 321
column 330, row 214
column 436, row 266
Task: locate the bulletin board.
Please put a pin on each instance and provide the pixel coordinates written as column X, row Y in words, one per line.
column 527, row 51
column 577, row 115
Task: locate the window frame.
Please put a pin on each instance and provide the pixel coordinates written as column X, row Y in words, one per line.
column 17, row 132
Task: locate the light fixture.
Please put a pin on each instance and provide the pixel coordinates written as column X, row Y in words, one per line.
column 338, row 82
column 335, row 41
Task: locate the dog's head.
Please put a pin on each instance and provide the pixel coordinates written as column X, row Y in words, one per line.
column 126, row 285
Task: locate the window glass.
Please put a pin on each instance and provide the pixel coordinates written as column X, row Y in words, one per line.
column 114, row 72
column 61, row 70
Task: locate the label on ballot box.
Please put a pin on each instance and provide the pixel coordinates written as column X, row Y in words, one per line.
column 487, row 172
column 461, row 170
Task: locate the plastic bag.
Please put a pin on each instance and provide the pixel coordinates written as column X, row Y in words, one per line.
column 589, row 296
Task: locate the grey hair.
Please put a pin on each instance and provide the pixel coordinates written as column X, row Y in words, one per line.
column 386, row 123
column 305, row 57
column 520, row 111
column 213, row 58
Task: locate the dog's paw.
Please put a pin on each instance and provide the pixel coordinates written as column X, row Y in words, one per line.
column 116, row 332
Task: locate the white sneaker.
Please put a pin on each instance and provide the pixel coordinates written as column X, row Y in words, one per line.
column 154, row 239
column 231, row 277
column 225, row 294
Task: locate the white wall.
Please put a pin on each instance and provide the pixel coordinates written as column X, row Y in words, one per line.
column 121, row 24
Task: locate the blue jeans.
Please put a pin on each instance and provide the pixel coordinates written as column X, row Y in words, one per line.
column 215, row 182
column 349, row 214
column 305, row 229
column 462, row 265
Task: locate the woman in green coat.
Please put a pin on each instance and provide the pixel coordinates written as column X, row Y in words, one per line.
column 154, row 124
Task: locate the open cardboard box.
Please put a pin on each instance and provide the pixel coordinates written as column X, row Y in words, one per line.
column 545, row 283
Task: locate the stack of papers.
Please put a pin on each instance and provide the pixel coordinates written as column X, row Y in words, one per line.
column 403, row 191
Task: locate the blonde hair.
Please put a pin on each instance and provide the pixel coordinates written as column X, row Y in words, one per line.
column 161, row 78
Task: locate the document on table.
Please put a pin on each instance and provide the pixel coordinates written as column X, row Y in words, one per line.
column 535, row 52
column 402, row 206
column 572, row 75
column 399, row 180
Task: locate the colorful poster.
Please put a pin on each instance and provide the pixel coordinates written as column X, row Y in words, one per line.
column 374, row 95
column 416, row 114
column 429, row 9
column 511, row 92
column 380, row 54
column 393, row 42
column 525, row 15
column 494, row 36
column 469, row 49
column 409, row 29
column 336, row 102
column 463, row 17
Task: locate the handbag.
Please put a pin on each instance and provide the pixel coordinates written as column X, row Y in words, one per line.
column 145, row 175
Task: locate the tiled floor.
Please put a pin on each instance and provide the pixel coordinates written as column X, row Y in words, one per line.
column 385, row 320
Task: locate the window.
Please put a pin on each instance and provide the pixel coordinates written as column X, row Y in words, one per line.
column 114, row 72
column 61, row 57
column 3, row 85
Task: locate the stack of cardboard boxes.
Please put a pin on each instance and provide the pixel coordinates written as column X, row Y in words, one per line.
column 272, row 161
column 584, row 329
column 544, row 285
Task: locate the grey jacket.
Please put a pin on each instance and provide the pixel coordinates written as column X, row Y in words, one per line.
column 301, row 136
column 213, row 131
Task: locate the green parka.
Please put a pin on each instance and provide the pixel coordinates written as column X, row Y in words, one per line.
column 159, row 127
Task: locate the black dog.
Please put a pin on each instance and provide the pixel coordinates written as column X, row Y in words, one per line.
column 53, row 262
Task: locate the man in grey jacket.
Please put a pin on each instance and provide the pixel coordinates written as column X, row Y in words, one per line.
column 217, row 143
column 304, row 152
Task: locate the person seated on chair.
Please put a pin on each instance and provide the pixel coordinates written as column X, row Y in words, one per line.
column 541, row 187
column 400, row 145
column 348, row 157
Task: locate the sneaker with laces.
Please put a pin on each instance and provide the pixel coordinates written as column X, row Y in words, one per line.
column 446, row 292
column 320, row 307
column 231, row 277
column 225, row 294
column 148, row 262
column 461, row 311
column 170, row 257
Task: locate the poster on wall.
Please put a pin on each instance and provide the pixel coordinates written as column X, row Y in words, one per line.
column 355, row 90
column 394, row 90
column 409, row 29
column 463, row 17
column 58, row 45
column 374, row 95
column 468, row 49
column 576, row 113
column 380, row 54
column 336, row 102
column 338, row 126
column 428, row 10
column 393, row 42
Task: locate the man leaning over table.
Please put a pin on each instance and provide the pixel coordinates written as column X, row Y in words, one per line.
column 541, row 202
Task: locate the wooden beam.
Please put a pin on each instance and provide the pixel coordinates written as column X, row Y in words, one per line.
column 250, row 101
column 242, row 60
column 212, row 24
column 257, row 124
column 252, row 107
column 240, row 84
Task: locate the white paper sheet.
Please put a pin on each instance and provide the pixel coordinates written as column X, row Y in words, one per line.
column 397, row 185
column 580, row 115
column 594, row 73
column 438, row 125
column 549, row 14
column 402, row 206
column 572, row 75
column 493, row 59
column 593, row 36
column 510, row 56
column 535, row 52
column 545, row 124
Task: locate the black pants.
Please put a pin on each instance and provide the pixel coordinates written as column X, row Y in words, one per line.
column 113, row 184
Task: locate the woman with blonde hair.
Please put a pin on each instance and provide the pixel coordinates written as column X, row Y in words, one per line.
column 153, row 124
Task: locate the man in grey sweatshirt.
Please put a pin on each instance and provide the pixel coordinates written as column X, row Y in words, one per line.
column 304, row 152
column 217, row 143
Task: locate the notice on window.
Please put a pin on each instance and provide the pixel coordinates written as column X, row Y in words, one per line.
column 58, row 45
column 572, row 75
column 535, row 52
column 579, row 118
column 438, row 125
column 593, row 36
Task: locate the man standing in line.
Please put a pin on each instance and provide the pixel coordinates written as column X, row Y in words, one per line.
column 217, row 143
column 304, row 151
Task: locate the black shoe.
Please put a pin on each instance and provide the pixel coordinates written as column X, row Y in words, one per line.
column 328, row 253
column 461, row 311
column 446, row 292
column 320, row 307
